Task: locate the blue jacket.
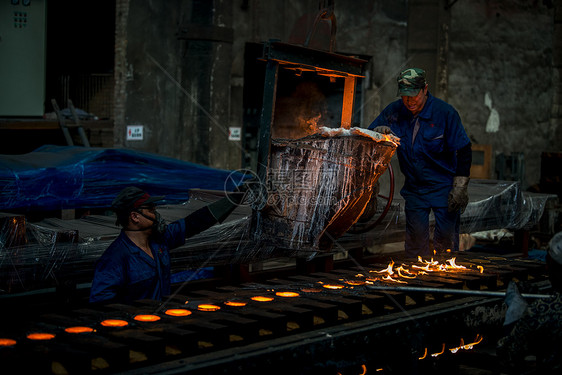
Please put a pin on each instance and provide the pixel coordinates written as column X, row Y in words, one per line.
column 125, row 273
column 429, row 163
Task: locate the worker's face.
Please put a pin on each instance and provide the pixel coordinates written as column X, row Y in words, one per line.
column 415, row 103
column 158, row 225
column 146, row 215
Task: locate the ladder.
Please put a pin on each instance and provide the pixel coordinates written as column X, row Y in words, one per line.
column 64, row 127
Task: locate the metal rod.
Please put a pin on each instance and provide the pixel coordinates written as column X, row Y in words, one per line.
column 487, row 293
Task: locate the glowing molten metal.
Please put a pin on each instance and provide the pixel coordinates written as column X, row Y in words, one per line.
column 147, row 318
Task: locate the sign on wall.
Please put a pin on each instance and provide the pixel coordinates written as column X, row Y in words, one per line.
column 134, row 132
column 234, row 133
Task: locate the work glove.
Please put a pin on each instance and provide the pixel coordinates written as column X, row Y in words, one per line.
column 516, row 305
column 458, row 196
column 383, row 130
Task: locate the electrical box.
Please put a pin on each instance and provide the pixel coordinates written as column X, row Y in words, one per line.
column 22, row 57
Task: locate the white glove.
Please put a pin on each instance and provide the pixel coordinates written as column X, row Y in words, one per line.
column 516, row 305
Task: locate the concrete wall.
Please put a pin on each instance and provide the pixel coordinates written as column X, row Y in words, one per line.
column 501, row 76
column 490, row 59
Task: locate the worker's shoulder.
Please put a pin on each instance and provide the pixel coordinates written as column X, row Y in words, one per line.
column 440, row 105
column 118, row 248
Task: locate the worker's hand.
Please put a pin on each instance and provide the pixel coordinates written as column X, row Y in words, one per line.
column 516, row 305
column 458, row 196
column 383, row 130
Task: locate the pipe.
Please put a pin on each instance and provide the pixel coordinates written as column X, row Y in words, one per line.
column 486, row 293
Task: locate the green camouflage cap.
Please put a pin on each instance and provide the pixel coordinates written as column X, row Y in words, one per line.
column 411, row 81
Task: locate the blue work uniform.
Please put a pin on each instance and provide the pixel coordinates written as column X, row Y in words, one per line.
column 125, row 273
column 428, row 160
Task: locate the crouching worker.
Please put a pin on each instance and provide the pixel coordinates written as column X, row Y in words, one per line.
column 137, row 264
column 535, row 330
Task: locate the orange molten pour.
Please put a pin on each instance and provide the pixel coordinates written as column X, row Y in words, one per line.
column 7, row 342
column 114, row 323
column 78, row 329
column 262, row 299
column 207, row 307
column 287, row 294
column 147, row 318
column 40, row 336
column 178, row 312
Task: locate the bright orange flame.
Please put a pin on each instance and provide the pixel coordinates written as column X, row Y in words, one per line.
column 388, row 269
column 7, row 342
column 454, row 265
column 114, row 323
column 425, row 268
column 262, row 299
column 389, row 278
column 332, row 286
column 235, row 303
column 438, row 354
column 390, row 138
column 364, row 368
column 79, row 329
column 424, row 354
column 178, row 312
column 480, row 268
column 40, row 336
column 402, row 272
column 147, row 318
column 287, row 294
column 208, row 307
column 469, row 346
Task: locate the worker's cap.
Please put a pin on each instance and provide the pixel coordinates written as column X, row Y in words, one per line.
column 411, row 81
column 132, row 198
column 555, row 248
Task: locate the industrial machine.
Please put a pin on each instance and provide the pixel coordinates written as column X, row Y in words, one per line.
column 319, row 187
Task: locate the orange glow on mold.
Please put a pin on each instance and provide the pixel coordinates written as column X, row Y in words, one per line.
column 262, row 299
column 235, row 303
column 177, row 312
column 355, row 282
column 332, row 286
column 287, row 294
column 208, row 307
column 147, row 318
column 311, row 290
column 480, row 268
column 114, row 323
column 7, row 342
column 40, row 336
column 79, row 329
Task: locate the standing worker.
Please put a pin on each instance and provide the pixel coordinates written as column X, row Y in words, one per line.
column 137, row 264
column 435, row 156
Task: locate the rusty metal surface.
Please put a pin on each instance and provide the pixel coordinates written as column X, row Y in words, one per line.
column 318, row 188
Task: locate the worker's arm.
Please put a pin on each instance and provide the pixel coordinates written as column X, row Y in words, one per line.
column 215, row 212
column 108, row 280
column 458, row 196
